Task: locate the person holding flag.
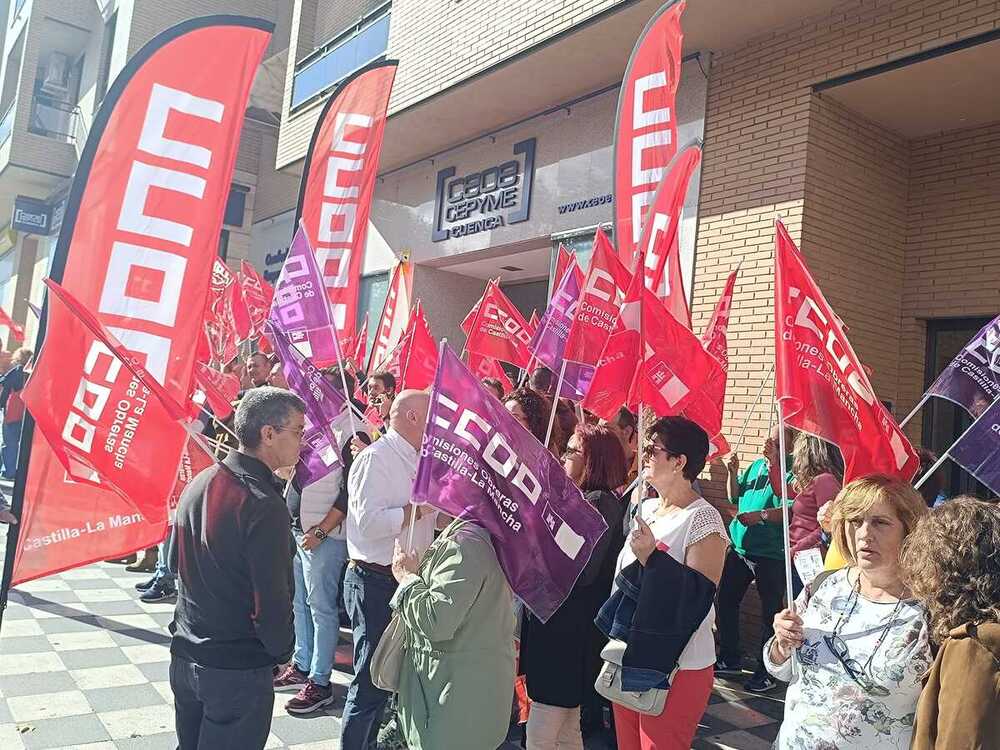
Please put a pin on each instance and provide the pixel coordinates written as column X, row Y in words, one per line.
column 861, row 641
column 13, row 409
column 380, row 487
column 680, row 523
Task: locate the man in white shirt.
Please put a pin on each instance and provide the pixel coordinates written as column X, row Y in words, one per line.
column 380, row 486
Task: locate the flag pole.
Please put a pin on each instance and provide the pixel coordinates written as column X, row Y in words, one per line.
column 944, row 456
column 753, row 408
column 786, row 543
column 918, row 407
column 555, row 403
column 343, row 379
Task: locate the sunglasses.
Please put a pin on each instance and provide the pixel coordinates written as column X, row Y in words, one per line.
column 650, row 448
column 857, row 672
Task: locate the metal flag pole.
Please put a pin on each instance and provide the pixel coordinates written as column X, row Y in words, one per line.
column 753, row 408
column 343, row 378
column 786, row 543
column 918, row 407
column 944, row 456
column 555, row 403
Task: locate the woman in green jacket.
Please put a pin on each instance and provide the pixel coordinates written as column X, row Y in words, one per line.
column 457, row 678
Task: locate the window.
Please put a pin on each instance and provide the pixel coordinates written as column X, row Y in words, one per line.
column 236, row 205
column 361, row 44
column 580, row 242
column 12, row 74
column 371, row 298
column 224, row 245
column 104, row 71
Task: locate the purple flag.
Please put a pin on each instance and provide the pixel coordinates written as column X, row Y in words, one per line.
column 549, row 342
column 978, row 450
column 300, row 306
column 478, row 462
column 972, row 378
column 325, row 404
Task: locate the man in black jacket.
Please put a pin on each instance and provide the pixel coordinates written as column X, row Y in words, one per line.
column 232, row 551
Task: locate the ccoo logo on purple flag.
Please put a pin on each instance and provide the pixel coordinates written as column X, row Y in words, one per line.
column 478, row 462
column 972, row 378
column 300, row 306
column 978, row 450
column 324, row 405
column 549, row 342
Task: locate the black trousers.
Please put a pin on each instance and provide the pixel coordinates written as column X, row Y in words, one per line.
column 221, row 709
column 736, row 578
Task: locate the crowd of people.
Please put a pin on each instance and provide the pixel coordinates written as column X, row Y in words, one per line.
column 895, row 644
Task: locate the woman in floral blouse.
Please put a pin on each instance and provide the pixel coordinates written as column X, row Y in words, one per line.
column 860, row 642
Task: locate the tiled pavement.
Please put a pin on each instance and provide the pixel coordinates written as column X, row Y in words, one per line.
column 83, row 664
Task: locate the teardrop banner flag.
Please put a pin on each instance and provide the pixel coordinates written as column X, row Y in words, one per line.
column 140, row 234
column 646, row 124
column 338, row 183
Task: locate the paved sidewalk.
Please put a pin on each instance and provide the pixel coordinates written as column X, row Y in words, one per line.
column 84, row 664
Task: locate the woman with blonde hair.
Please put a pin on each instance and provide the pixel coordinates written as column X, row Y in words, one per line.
column 952, row 563
column 861, row 642
column 818, row 472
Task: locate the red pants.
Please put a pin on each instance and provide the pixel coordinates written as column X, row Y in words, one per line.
column 674, row 729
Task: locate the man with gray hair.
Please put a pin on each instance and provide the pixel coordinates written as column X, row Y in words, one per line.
column 232, row 550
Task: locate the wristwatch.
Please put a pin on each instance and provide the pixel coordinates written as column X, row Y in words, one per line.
column 763, row 516
column 319, row 533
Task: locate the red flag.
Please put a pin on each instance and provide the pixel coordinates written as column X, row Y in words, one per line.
column 220, row 328
column 676, row 374
column 563, row 261
column 533, row 322
column 645, row 127
column 194, row 460
column 139, row 236
column 660, row 236
column 419, row 354
column 487, row 367
column 395, row 314
column 499, row 330
column 821, row 385
column 238, row 311
column 597, row 312
column 257, row 295
column 338, row 183
column 360, row 344
column 16, row 331
column 715, row 337
column 220, row 390
column 124, row 429
column 619, row 361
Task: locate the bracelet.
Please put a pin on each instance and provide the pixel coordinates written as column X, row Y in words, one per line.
column 319, row 533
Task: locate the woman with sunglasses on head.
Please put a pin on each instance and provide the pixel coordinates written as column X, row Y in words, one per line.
column 561, row 658
column 682, row 524
column 860, row 642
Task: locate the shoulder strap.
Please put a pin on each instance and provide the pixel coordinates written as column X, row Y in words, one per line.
column 816, row 582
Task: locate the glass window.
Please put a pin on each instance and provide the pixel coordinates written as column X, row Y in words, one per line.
column 236, row 206
column 581, row 243
column 224, row 245
column 104, row 71
column 371, row 298
column 341, row 57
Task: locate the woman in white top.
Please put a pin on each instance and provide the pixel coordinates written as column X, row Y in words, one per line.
column 684, row 525
column 861, row 643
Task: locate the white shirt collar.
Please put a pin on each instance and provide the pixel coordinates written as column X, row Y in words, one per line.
column 401, row 446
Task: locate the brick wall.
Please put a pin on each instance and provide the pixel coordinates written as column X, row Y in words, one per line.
column 854, row 229
column 952, row 242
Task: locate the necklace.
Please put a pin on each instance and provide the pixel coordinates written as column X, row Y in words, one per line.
column 860, row 673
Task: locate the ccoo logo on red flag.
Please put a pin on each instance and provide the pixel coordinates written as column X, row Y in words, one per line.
column 820, row 382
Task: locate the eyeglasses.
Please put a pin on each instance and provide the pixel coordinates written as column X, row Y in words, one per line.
column 299, row 432
column 570, row 452
column 650, row 448
column 856, row 671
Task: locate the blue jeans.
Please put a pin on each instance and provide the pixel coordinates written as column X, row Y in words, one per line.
column 366, row 596
column 162, row 572
column 317, row 619
column 11, row 443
